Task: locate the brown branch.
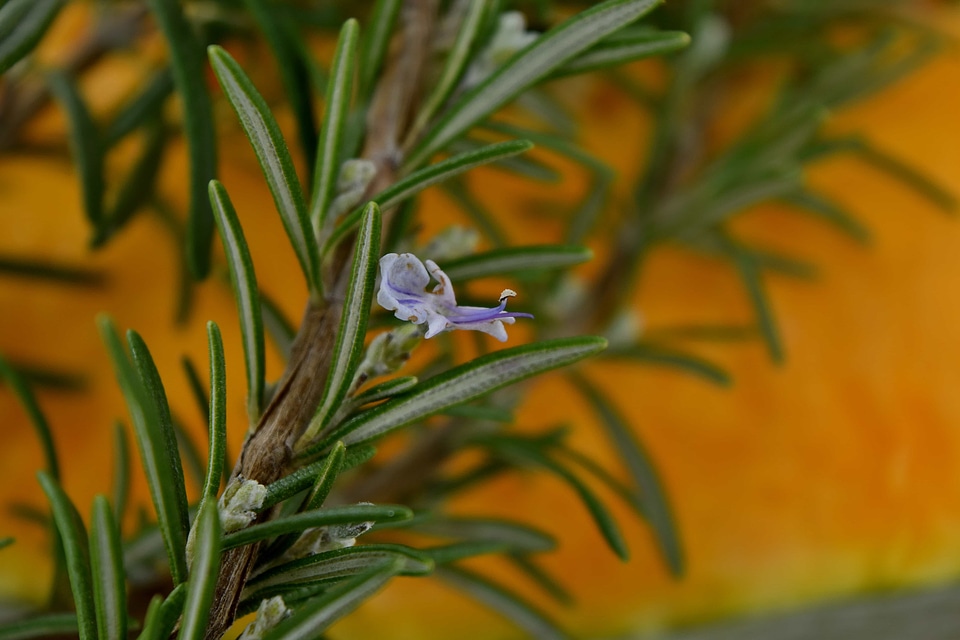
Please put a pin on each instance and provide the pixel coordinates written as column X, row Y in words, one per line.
column 268, row 452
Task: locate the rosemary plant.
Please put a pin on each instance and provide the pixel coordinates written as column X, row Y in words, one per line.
column 303, row 526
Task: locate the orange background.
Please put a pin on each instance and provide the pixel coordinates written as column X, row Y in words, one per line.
column 832, row 474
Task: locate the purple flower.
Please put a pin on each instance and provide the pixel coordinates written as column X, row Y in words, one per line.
column 403, row 290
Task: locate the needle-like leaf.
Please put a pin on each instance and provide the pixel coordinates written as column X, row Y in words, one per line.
column 73, row 536
column 515, row 260
column 45, row 626
column 529, row 66
column 348, row 348
column 158, row 450
column 317, row 518
column 274, row 156
column 315, row 615
column 248, row 300
column 625, row 47
column 428, row 176
column 109, row 583
column 203, row 572
column 375, row 42
column 503, row 601
column 294, row 70
column 464, row 383
column 339, row 93
column 37, row 419
column 218, row 413
column 22, row 25
column 186, row 61
column 643, row 473
column 85, row 145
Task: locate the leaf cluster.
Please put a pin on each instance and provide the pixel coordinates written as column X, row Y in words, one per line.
column 311, row 514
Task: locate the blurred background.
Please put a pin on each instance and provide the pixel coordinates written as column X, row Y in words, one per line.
column 813, row 474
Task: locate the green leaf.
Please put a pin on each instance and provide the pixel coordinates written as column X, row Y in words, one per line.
column 428, row 176
column 464, row 383
column 348, row 347
column 37, row 419
column 628, row 494
column 317, row 518
column 245, row 288
column 528, row 167
column 189, row 75
column 525, row 452
column 561, row 145
column 157, row 451
column 456, row 62
column 375, row 43
column 163, row 614
column 6, row 542
column 121, row 470
column 529, row 66
column 315, row 615
column 109, row 582
column 267, row 141
column 456, row 551
column 52, row 272
column 73, row 536
column 171, row 432
column 294, row 71
column 679, row 218
column 339, row 93
column 829, row 211
column 643, row 473
column 339, row 563
column 655, row 354
column 749, row 270
column 625, row 47
column 295, row 482
column 44, row 626
column 548, row 583
column 306, row 477
column 444, row 170
column 489, row 413
column 137, row 188
column 218, row 414
column 85, row 144
column 585, row 216
column 145, row 106
column 22, row 25
column 897, row 168
column 326, row 476
column 517, row 536
column 516, row 260
column 504, row 602
column 203, row 572
column 357, row 455
column 44, row 377
column 384, row 390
